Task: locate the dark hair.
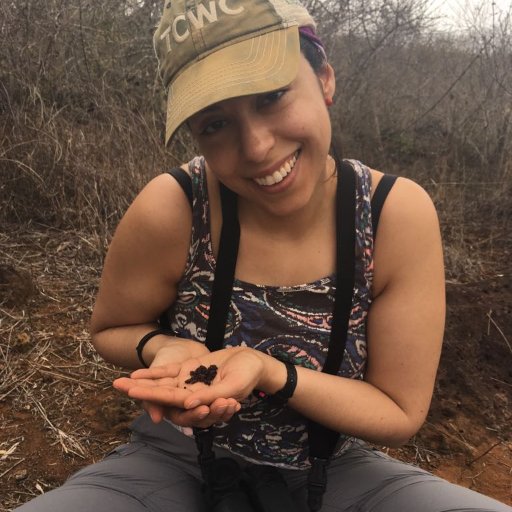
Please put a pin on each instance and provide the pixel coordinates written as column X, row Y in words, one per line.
column 318, row 60
column 313, row 54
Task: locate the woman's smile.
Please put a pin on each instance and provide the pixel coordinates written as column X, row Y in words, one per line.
column 280, row 176
column 270, row 145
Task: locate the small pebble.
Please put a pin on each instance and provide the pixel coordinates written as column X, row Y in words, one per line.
column 20, row 475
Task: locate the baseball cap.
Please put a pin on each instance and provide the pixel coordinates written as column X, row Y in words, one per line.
column 209, row 51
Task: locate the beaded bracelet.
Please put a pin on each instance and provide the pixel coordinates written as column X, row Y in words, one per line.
column 146, row 338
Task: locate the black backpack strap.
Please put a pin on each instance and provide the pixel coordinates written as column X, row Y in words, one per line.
column 219, row 305
column 224, row 270
column 345, row 264
column 379, row 196
column 184, row 180
column 322, row 440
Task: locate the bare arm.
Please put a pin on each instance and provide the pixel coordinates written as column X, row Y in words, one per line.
column 143, row 267
column 144, row 263
column 405, row 330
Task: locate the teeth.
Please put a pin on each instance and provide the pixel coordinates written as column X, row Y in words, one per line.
column 279, row 175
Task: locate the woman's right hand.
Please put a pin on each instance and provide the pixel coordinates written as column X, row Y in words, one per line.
column 169, row 356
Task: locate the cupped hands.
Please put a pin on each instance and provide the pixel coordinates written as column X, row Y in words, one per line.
column 164, row 392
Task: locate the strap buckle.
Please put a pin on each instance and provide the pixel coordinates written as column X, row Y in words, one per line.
column 206, row 456
column 317, row 482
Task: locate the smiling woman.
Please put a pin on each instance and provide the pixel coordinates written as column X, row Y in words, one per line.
column 277, row 333
column 273, row 144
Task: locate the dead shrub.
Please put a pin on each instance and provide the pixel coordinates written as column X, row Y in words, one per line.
column 81, row 111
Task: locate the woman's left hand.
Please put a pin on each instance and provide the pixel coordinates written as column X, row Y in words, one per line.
column 197, row 404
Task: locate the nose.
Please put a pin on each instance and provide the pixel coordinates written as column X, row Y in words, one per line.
column 256, row 138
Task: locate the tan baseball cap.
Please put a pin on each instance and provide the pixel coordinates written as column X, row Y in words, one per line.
column 209, row 51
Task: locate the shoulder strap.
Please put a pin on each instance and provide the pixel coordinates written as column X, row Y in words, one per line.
column 322, row 440
column 224, row 270
column 345, row 264
column 184, row 180
column 379, row 196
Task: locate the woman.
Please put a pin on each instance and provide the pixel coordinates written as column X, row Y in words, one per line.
column 251, row 82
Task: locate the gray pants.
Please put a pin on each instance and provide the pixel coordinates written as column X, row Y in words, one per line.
column 145, row 475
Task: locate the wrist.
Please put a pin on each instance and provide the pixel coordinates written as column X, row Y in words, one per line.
column 150, row 343
column 280, row 396
column 274, row 375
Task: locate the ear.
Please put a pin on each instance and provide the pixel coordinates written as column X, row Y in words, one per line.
column 328, row 81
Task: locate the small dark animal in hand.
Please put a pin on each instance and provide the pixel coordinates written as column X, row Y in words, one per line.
column 203, row 374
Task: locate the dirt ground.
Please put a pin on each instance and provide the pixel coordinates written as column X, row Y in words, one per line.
column 59, row 412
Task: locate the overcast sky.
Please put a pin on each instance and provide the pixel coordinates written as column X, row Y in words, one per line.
column 457, row 13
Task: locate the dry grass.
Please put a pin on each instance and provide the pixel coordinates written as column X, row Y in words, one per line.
column 48, row 368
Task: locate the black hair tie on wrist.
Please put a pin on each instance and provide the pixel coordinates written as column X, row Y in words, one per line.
column 146, row 338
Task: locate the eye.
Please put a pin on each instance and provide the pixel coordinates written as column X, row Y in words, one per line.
column 213, row 127
column 271, row 97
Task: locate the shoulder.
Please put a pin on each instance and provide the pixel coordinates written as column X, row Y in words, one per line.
column 163, row 199
column 408, row 235
column 408, row 203
column 405, row 193
column 156, row 227
column 160, row 203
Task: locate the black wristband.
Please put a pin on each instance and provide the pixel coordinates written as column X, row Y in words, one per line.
column 286, row 392
column 146, row 338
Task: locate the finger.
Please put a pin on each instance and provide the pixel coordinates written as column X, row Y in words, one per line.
column 229, row 411
column 125, row 383
column 208, row 394
column 222, row 410
column 155, row 411
column 167, row 396
column 219, row 406
column 190, row 418
column 216, row 415
column 157, row 372
column 122, row 384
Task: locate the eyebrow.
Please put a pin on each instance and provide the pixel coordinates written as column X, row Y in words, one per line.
column 209, row 108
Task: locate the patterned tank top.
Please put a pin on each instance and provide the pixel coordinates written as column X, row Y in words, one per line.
column 292, row 323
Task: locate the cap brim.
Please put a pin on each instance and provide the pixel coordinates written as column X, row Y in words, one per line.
column 260, row 64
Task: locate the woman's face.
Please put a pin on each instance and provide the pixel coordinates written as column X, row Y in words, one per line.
column 271, row 148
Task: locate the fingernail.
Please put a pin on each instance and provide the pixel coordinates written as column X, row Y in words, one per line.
column 193, row 404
